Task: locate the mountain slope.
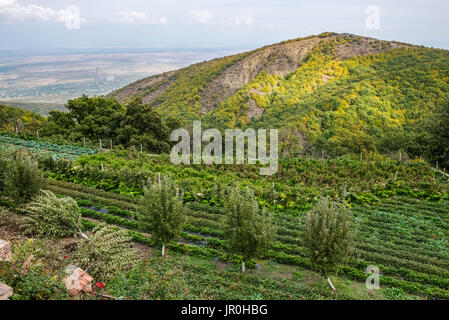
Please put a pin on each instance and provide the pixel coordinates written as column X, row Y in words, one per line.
column 332, row 93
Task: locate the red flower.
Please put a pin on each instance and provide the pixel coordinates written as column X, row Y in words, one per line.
column 65, row 257
column 99, row 285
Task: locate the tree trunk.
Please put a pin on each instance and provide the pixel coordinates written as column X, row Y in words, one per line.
column 243, row 266
column 163, row 249
column 330, row 283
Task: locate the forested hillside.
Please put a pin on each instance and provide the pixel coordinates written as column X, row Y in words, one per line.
column 330, row 94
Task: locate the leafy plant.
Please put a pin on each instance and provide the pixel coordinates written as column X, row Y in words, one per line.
column 51, row 217
column 23, row 178
column 107, row 252
column 162, row 211
column 248, row 229
column 328, row 235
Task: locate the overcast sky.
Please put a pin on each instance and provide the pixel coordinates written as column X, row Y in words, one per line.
column 200, row 24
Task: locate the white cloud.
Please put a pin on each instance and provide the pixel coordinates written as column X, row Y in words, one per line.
column 203, row 16
column 130, row 17
column 11, row 10
column 244, row 19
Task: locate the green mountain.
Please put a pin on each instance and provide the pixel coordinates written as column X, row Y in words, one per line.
column 331, row 93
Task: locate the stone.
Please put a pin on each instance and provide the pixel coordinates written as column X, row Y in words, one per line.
column 5, row 251
column 77, row 281
column 5, row 291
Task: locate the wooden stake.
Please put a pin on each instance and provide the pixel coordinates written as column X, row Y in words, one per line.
column 102, row 167
column 159, row 178
column 395, row 175
column 84, row 141
column 37, row 133
column 100, row 145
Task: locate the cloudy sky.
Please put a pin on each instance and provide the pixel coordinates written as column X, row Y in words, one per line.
column 200, row 24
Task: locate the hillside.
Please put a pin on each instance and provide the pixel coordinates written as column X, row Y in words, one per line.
column 331, row 93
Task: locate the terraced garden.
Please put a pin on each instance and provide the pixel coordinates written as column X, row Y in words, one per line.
column 406, row 238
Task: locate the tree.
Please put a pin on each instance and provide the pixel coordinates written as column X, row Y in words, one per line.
column 107, row 252
column 248, row 228
column 439, row 137
column 162, row 211
column 23, row 178
column 52, row 217
column 328, row 235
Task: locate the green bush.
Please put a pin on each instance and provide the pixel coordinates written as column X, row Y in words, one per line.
column 247, row 228
column 23, row 179
column 51, row 217
column 162, row 211
column 107, row 252
column 3, row 170
column 328, row 235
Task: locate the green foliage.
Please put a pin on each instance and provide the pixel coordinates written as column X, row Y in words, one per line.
column 23, row 178
column 13, row 119
column 51, row 217
column 45, row 148
column 162, row 211
column 156, row 279
column 96, row 118
column 107, row 252
column 3, row 171
column 328, row 235
column 36, row 285
column 394, row 293
column 248, row 229
column 438, row 145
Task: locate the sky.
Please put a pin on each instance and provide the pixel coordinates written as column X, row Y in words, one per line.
column 200, row 24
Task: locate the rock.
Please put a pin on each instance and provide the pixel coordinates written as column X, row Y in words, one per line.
column 5, row 291
column 78, row 281
column 5, row 251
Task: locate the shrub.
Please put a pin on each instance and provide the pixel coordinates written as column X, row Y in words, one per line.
column 3, row 170
column 162, row 211
column 23, row 179
column 52, row 217
column 328, row 235
column 107, row 252
column 248, row 229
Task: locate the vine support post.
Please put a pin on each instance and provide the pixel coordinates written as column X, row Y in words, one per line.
column 100, row 145
column 330, row 283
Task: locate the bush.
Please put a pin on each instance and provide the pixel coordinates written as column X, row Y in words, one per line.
column 23, row 179
column 328, row 235
column 107, row 252
column 162, row 211
column 3, row 170
column 52, row 217
column 248, row 228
